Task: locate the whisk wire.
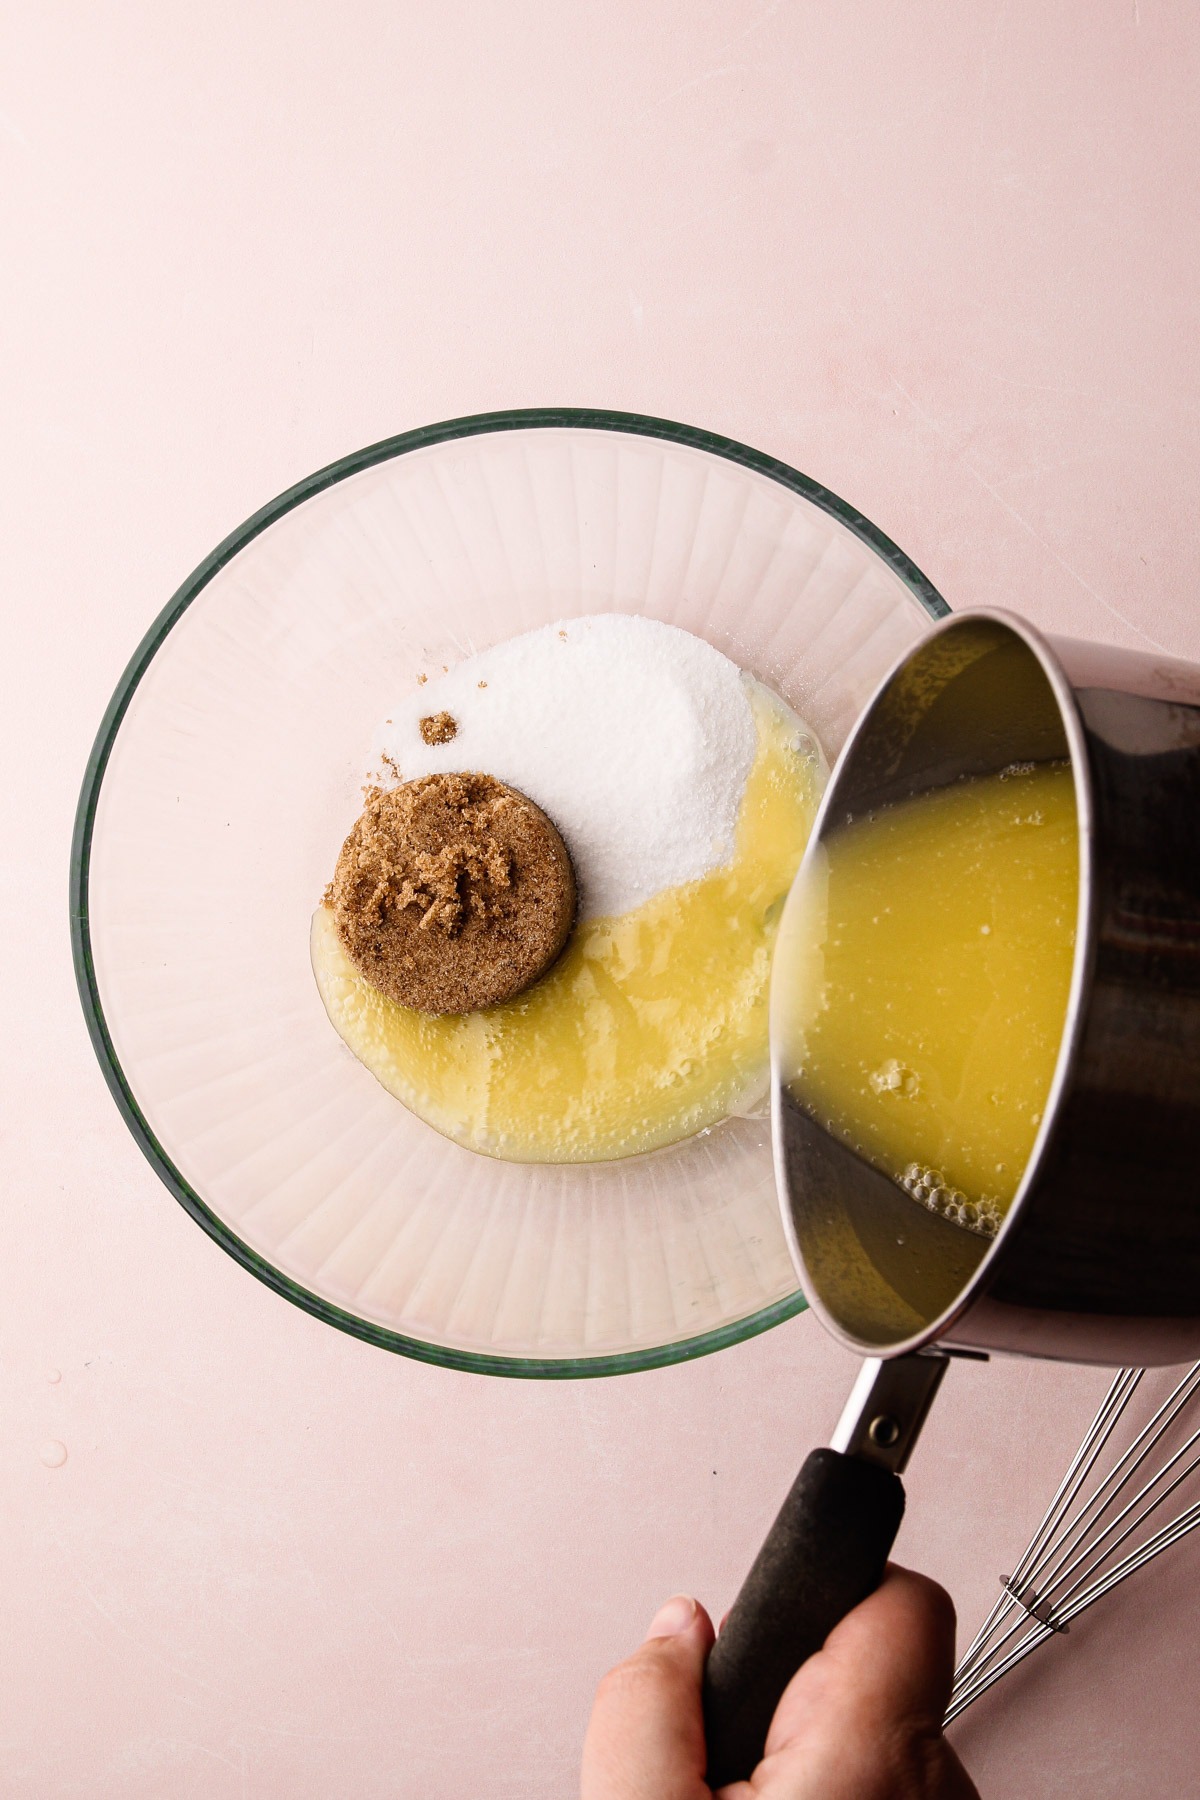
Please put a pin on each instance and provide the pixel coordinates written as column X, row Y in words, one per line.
column 967, row 1691
column 1056, row 1615
column 1094, row 1440
column 1128, row 1465
column 1069, row 1563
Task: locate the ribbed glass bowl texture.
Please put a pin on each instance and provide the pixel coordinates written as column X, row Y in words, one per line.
column 228, row 770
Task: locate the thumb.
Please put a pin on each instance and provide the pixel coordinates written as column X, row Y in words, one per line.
column 646, row 1736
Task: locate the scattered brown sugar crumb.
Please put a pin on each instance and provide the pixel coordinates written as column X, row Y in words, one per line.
column 422, row 679
column 452, row 893
column 390, row 764
column 439, row 728
column 483, row 684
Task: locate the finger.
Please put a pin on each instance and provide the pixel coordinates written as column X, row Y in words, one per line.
column 863, row 1717
column 890, row 1659
column 646, row 1736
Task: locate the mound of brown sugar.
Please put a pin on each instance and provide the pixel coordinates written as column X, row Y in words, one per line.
column 452, row 893
column 439, row 728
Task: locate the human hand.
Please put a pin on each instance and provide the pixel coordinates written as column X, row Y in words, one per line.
column 862, row 1720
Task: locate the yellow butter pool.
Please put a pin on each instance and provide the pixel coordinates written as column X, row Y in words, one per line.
column 651, row 1026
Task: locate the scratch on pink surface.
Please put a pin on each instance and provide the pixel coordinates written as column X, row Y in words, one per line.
column 1074, row 390
column 693, row 81
column 239, row 1708
column 386, row 1623
column 145, row 1645
column 763, row 18
column 176, row 1743
column 1048, row 467
column 1062, row 561
column 1023, row 522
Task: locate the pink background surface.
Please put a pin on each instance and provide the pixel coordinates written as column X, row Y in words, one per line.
column 942, row 257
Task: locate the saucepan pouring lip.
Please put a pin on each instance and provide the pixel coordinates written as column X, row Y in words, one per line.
column 832, row 810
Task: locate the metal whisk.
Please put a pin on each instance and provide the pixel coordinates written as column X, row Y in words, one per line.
column 1102, row 1524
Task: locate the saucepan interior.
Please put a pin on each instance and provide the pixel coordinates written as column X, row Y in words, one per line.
column 980, row 695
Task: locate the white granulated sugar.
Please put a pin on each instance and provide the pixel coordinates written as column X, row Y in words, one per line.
column 636, row 738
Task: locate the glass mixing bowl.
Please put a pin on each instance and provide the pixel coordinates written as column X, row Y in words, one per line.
column 227, row 772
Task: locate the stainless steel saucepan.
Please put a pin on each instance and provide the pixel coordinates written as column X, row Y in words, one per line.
column 1098, row 1259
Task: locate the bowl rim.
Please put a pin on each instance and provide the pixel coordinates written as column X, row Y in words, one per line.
column 472, row 425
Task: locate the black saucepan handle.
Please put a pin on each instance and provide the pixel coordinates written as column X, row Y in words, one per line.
column 826, row 1551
